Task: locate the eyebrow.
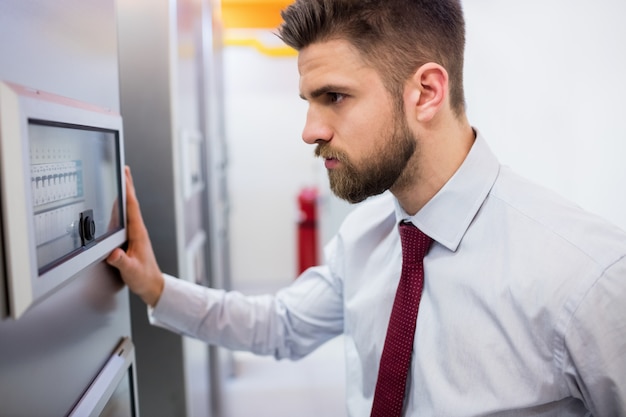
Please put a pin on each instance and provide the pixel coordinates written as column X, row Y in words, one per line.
column 323, row 90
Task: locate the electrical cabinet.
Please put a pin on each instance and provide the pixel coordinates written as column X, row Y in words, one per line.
column 62, row 154
column 63, row 199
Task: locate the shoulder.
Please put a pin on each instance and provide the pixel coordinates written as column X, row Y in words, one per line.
column 558, row 219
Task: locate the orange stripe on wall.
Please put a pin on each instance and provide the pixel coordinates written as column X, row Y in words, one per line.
column 252, row 14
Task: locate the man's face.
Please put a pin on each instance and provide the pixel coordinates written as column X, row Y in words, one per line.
column 365, row 142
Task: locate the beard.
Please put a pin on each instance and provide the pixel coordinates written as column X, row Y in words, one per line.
column 377, row 172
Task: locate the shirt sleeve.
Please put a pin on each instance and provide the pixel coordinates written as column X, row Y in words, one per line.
column 289, row 324
column 596, row 345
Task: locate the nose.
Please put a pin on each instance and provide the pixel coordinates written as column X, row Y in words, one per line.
column 315, row 128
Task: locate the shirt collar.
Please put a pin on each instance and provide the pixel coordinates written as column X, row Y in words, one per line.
column 447, row 216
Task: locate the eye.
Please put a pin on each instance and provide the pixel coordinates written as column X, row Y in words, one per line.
column 335, row 97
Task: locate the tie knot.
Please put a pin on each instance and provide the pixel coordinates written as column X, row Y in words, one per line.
column 415, row 243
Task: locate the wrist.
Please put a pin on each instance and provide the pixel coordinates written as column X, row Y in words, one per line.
column 153, row 294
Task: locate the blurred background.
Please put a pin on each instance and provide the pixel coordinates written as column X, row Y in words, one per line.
column 543, row 84
column 212, row 131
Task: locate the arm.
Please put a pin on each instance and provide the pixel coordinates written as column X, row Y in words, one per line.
column 596, row 343
column 290, row 324
column 138, row 266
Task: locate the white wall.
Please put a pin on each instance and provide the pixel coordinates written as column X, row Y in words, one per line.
column 268, row 163
column 544, row 84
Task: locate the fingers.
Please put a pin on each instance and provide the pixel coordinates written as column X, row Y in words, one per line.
column 136, row 227
column 130, row 186
column 115, row 258
column 131, row 197
column 137, row 265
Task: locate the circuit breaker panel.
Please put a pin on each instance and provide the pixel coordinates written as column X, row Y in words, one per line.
column 63, row 198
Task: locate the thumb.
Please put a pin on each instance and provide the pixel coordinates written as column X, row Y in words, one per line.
column 117, row 258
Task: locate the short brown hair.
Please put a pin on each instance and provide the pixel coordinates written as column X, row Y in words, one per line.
column 395, row 37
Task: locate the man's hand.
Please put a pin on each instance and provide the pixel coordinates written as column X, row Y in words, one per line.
column 138, row 265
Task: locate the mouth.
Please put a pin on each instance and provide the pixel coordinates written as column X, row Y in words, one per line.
column 331, row 158
column 331, row 163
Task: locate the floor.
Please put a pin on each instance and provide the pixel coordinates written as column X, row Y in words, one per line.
column 264, row 387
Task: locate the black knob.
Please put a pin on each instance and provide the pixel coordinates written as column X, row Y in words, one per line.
column 87, row 227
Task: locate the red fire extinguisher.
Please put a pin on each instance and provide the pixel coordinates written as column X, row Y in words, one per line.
column 307, row 229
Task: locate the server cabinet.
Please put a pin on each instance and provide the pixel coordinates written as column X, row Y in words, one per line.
column 165, row 57
column 59, row 341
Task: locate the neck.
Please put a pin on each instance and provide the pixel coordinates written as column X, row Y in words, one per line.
column 441, row 149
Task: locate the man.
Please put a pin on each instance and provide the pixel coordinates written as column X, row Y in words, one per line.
column 522, row 311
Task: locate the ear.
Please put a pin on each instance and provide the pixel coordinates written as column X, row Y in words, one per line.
column 426, row 92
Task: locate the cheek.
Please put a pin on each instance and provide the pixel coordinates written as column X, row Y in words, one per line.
column 363, row 129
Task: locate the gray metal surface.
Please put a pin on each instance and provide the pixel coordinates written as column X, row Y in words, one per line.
column 4, row 290
column 162, row 99
column 50, row 355
column 146, row 53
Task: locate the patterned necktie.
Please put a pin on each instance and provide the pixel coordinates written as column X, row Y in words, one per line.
column 398, row 348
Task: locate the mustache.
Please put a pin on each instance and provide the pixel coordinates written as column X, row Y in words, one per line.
column 323, row 150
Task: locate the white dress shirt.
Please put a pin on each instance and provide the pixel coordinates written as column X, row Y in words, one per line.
column 523, row 311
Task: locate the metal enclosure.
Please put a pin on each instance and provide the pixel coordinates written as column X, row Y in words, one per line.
column 52, row 353
column 171, row 105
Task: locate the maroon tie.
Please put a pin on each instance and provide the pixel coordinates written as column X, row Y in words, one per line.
column 396, row 357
